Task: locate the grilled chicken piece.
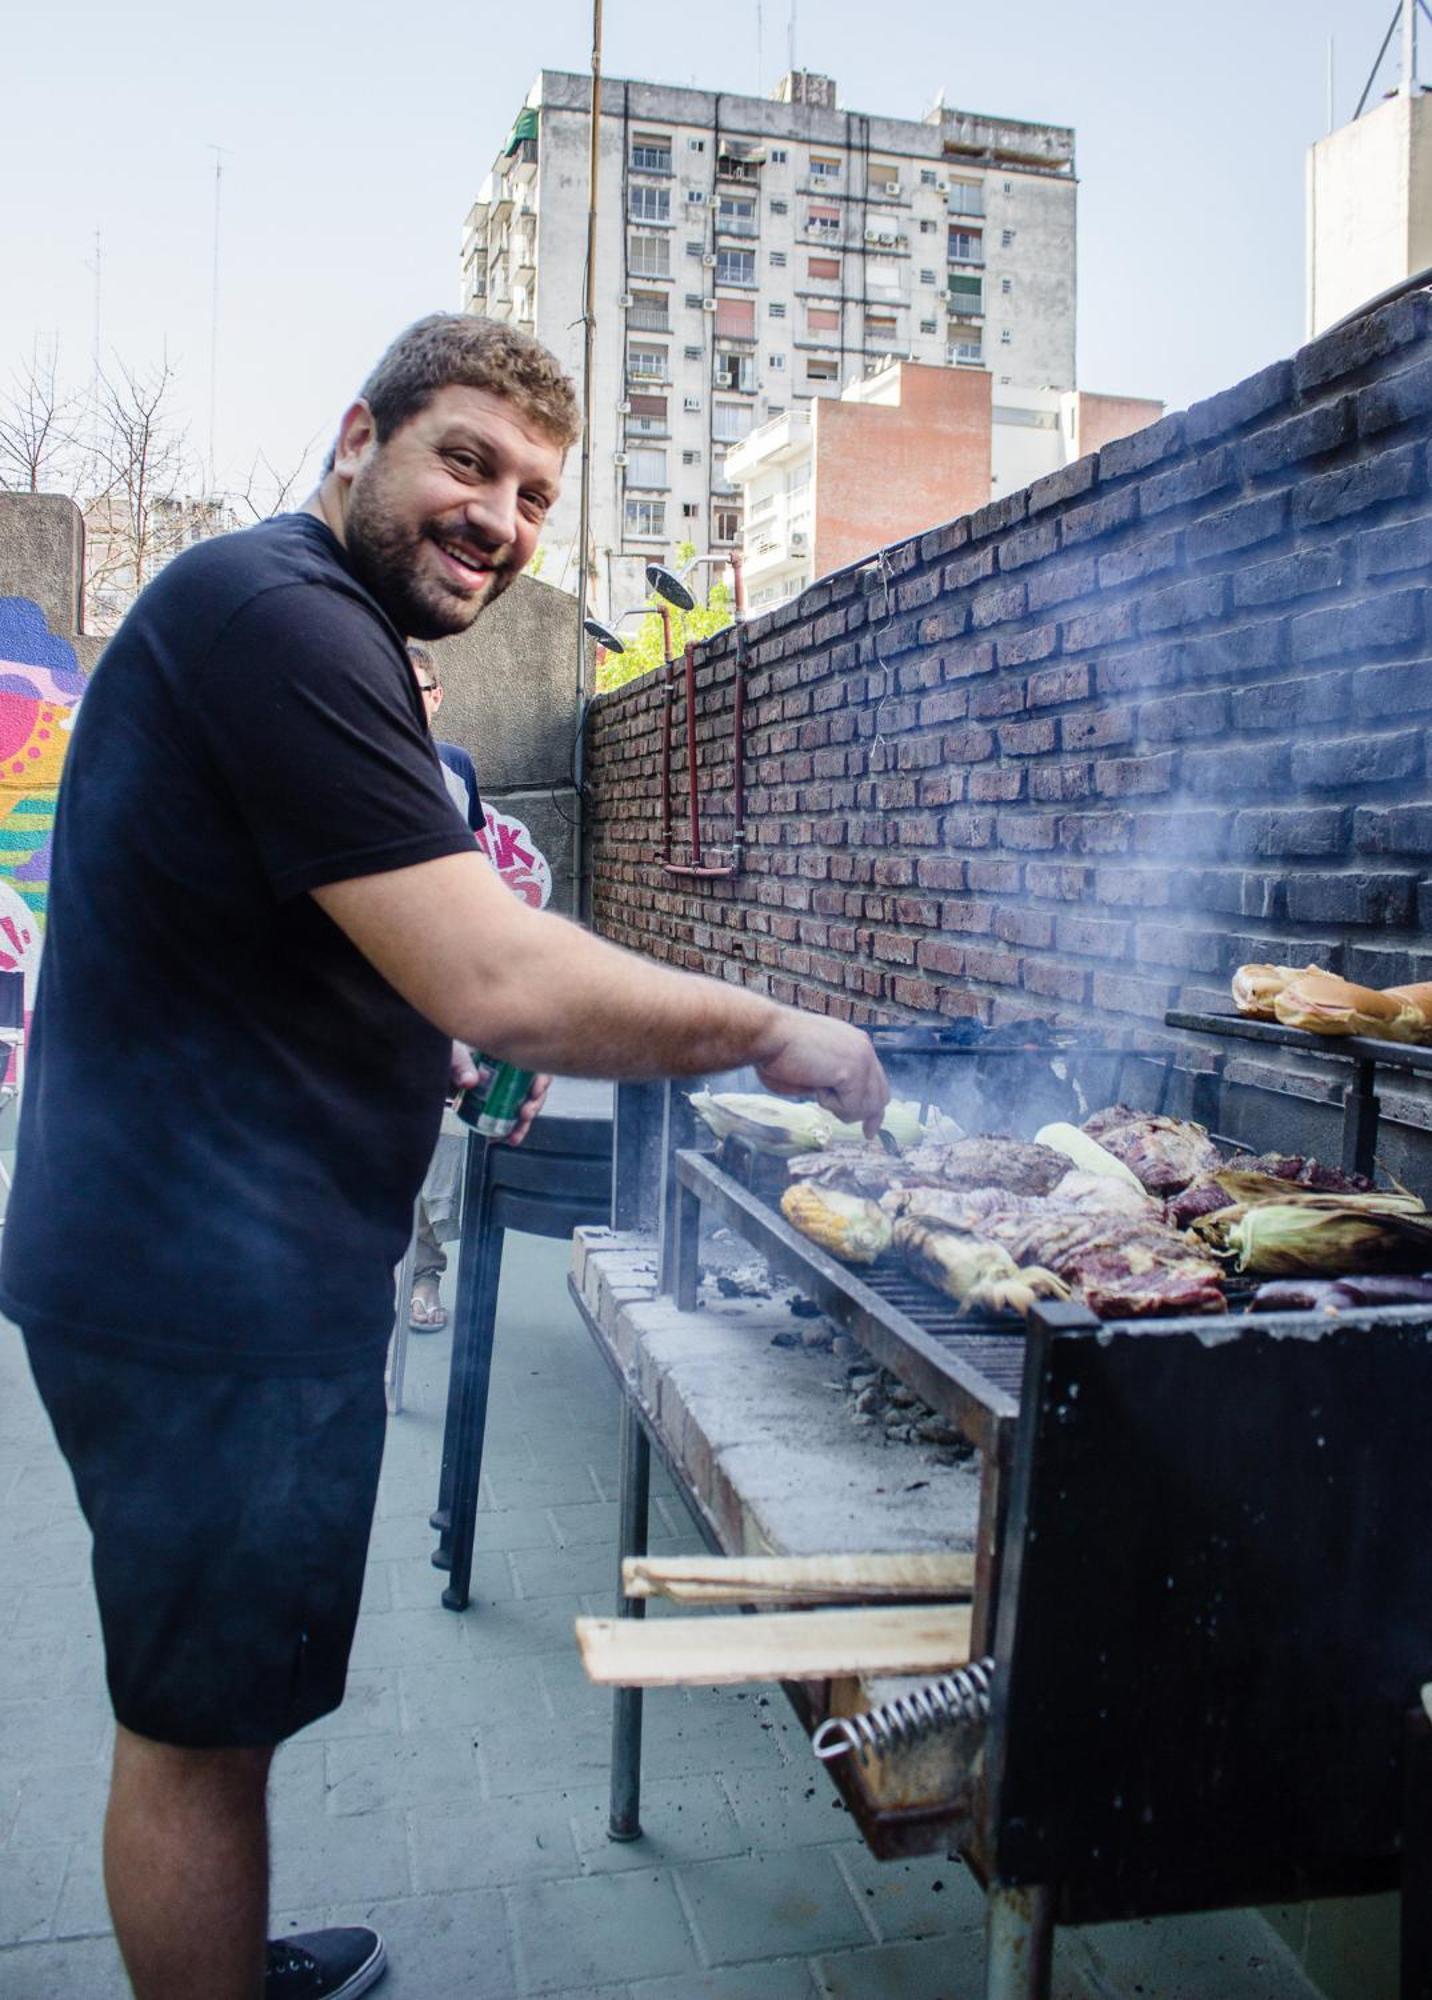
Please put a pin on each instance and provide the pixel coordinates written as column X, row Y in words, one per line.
column 1165, row 1153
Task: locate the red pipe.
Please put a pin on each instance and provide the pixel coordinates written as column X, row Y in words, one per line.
column 691, row 754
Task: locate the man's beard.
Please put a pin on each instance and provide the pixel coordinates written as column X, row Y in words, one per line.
column 387, row 561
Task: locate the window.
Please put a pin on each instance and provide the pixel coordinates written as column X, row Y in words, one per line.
column 927, row 326
column 777, row 309
column 725, row 524
column 780, row 208
column 927, row 278
column 1006, row 286
column 730, row 421
column 823, row 219
column 822, row 319
column 1009, row 187
column 696, row 197
column 778, row 260
column 969, row 348
column 649, row 256
column 646, row 468
column 880, row 326
column 736, row 371
column 696, row 145
column 648, row 364
column 775, row 409
column 650, row 153
column 646, row 518
column 776, row 362
column 882, row 276
column 966, row 246
column 735, row 267
column 965, row 198
column 966, row 295
column 691, row 458
column 927, row 228
column 648, row 312
column 1006, row 239
column 736, row 215
column 736, row 319
column 690, row 509
column 693, row 353
column 647, row 417
column 1006, row 338
column 778, row 156
column 823, row 167
column 648, row 204
column 818, row 369
column 929, row 178
column 822, row 268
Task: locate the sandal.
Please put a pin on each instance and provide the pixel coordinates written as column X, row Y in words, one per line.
column 425, row 1315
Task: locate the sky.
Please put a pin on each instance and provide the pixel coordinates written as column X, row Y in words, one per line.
column 356, row 138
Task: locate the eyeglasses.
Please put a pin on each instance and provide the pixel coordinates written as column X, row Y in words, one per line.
column 428, row 687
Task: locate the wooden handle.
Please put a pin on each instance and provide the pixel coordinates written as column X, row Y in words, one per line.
column 799, row 1579
column 779, row 1646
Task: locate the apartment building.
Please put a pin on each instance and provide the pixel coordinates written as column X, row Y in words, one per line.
column 900, row 449
column 754, row 255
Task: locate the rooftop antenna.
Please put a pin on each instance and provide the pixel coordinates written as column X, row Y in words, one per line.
column 218, row 152
column 760, row 64
column 791, row 40
column 1404, row 15
column 97, row 267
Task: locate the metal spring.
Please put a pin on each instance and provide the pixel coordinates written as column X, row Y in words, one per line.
column 957, row 1697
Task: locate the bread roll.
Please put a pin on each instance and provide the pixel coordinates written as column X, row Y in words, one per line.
column 1255, row 987
column 1419, row 997
column 1327, row 1005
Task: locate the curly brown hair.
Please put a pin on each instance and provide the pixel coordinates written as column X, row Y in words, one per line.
column 461, row 349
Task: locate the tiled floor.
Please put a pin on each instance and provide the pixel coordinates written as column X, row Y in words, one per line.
column 458, row 1798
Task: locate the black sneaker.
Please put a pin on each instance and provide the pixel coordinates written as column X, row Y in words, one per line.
column 324, row 1965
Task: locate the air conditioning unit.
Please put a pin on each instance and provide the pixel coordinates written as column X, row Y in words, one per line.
column 625, row 301
column 619, row 458
column 798, row 541
column 708, row 305
column 708, row 258
column 891, row 188
column 691, row 403
column 623, row 409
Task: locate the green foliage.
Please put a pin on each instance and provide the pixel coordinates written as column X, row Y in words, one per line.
column 643, row 641
column 539, row 556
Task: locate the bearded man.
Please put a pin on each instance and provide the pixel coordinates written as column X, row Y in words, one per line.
column 267, row 928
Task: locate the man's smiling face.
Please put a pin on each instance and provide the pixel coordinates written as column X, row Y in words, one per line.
column 441, row 518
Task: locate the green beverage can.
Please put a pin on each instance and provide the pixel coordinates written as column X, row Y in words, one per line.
column 491, row 1105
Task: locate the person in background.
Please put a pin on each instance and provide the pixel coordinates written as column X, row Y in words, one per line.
column 262, row 900
column 438, row 1203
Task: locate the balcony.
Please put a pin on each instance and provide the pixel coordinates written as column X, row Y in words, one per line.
column 747, row 171
column 648, row 319
column 648, row 427
column 737, row 225
column 641, row 373
column 522, row 164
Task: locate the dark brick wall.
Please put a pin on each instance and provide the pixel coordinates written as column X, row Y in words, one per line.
column 1081, row 752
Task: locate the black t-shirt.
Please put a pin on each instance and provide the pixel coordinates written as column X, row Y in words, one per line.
column 227, row 1112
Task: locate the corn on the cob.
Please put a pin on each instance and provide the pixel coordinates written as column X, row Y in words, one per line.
column 1286, row 1239
column 769, row 1124
column 847, row 1225
column 980, row 1276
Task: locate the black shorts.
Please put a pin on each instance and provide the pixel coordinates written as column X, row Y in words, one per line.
column 230, row 1517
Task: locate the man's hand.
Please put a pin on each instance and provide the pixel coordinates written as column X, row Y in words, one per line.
column 829, row 1061
column 462, row 1071
column 531, row 1104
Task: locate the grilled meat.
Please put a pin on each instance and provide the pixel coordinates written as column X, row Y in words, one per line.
column 1165, row 1153
column 1019, row 1165
column 852, row 1169
column 979, row 1275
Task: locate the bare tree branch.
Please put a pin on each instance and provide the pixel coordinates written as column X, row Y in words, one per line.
column 38, row 429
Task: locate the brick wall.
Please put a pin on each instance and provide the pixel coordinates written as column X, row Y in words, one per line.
column 1082, row 752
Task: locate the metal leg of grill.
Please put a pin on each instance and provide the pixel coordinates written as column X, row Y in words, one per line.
column 1019, row 1942
column 625, row 1820
column 1415, row 1982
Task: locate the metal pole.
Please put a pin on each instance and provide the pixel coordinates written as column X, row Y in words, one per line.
column 624, row 1821
column 1409, row 47
column 1019, row 1939
column 584, row 505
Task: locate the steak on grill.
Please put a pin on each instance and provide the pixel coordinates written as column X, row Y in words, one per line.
column 1165, row 1153
column 1206, row 1197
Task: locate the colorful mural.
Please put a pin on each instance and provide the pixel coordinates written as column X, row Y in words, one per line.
column 40, row 686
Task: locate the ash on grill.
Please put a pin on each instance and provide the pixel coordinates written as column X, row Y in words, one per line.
column 875, row 1398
